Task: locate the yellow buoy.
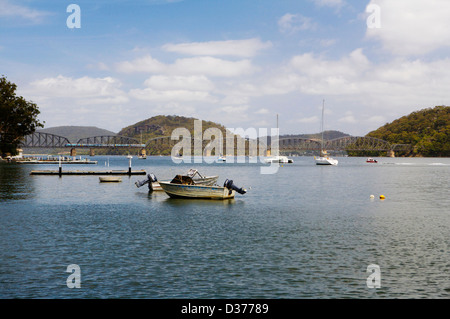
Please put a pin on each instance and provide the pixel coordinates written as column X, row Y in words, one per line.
column 382, row 197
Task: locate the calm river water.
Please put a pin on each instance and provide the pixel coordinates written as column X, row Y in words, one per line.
column 305, row 232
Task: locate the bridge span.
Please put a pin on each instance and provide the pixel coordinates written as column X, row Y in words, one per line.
column 348, row 143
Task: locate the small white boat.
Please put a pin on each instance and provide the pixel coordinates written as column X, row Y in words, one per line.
column 222, row 158
column 194, row 191
column 110, row 179
column 325, row 160
column 278, row 159
column 371, row 160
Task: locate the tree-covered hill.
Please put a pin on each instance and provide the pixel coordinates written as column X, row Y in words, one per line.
column 427, row 130
column 162, row 126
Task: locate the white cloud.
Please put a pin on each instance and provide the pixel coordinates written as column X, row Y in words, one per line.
column 262, row 111
column 312, row 119
column 211, row 66
column 177, row 82
column 145, row 64
column 292, row 23
column 329, row 3
column 9, row 10
column 240, row 48
column 84, row 87
column 203, row 65
column 412, row 27
column 389, row 88
column 348, row 118
column 149, row 94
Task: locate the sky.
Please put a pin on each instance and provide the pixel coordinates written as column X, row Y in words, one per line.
column 112, row 63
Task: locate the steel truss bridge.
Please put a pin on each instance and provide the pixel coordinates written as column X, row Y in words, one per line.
column 46, row 140
column 348, row 143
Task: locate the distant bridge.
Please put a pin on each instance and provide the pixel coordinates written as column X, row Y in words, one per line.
column 348, row 143
column 46, row 140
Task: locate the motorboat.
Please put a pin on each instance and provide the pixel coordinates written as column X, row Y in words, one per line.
column 325, row 160
column 371, row 160
column 188, row 189
column 192, row 174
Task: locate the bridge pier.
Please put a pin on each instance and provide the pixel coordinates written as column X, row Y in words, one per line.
column 142, row 152
column 73, row 152
column 391, row 153
column 91, row 152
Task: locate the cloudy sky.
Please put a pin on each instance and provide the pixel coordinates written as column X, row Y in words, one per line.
column 236, row 62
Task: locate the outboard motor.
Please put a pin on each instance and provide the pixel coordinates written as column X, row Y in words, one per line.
column 229, row 184
column 151, row 178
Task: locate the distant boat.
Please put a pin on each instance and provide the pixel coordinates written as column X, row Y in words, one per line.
column 278, row 158
column 193, row 191
column 324, row 159
column 222, row 158
column 371, row 160
column 142, row 157
column 110, row 179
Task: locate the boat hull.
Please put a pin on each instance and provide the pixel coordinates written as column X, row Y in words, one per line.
column 325, row 161
column 196, row 191
column 279, row 159
column 110, row 179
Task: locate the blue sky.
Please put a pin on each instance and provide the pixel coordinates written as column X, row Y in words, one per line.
column 238, row 63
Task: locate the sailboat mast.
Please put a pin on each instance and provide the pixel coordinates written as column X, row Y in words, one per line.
column 323, row 108
column 278, row 132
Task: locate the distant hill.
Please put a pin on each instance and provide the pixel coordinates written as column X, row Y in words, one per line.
column 427, row 130
column 74, row 133
column 163, row 125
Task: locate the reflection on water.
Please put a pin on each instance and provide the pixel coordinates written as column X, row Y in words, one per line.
column 15, row 183
column 306, row 232
column 195, row 203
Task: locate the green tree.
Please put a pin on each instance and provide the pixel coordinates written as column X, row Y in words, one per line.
column 18, row 117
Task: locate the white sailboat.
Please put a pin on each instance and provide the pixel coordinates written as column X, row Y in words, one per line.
column 278, row 158
column 324, row 159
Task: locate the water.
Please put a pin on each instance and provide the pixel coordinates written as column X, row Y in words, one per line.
column 306, row 232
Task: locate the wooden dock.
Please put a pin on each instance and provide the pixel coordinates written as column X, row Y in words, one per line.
column 109, row 172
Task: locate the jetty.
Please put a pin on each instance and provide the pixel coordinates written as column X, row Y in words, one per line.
column 60, row 171
column 78, row 172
